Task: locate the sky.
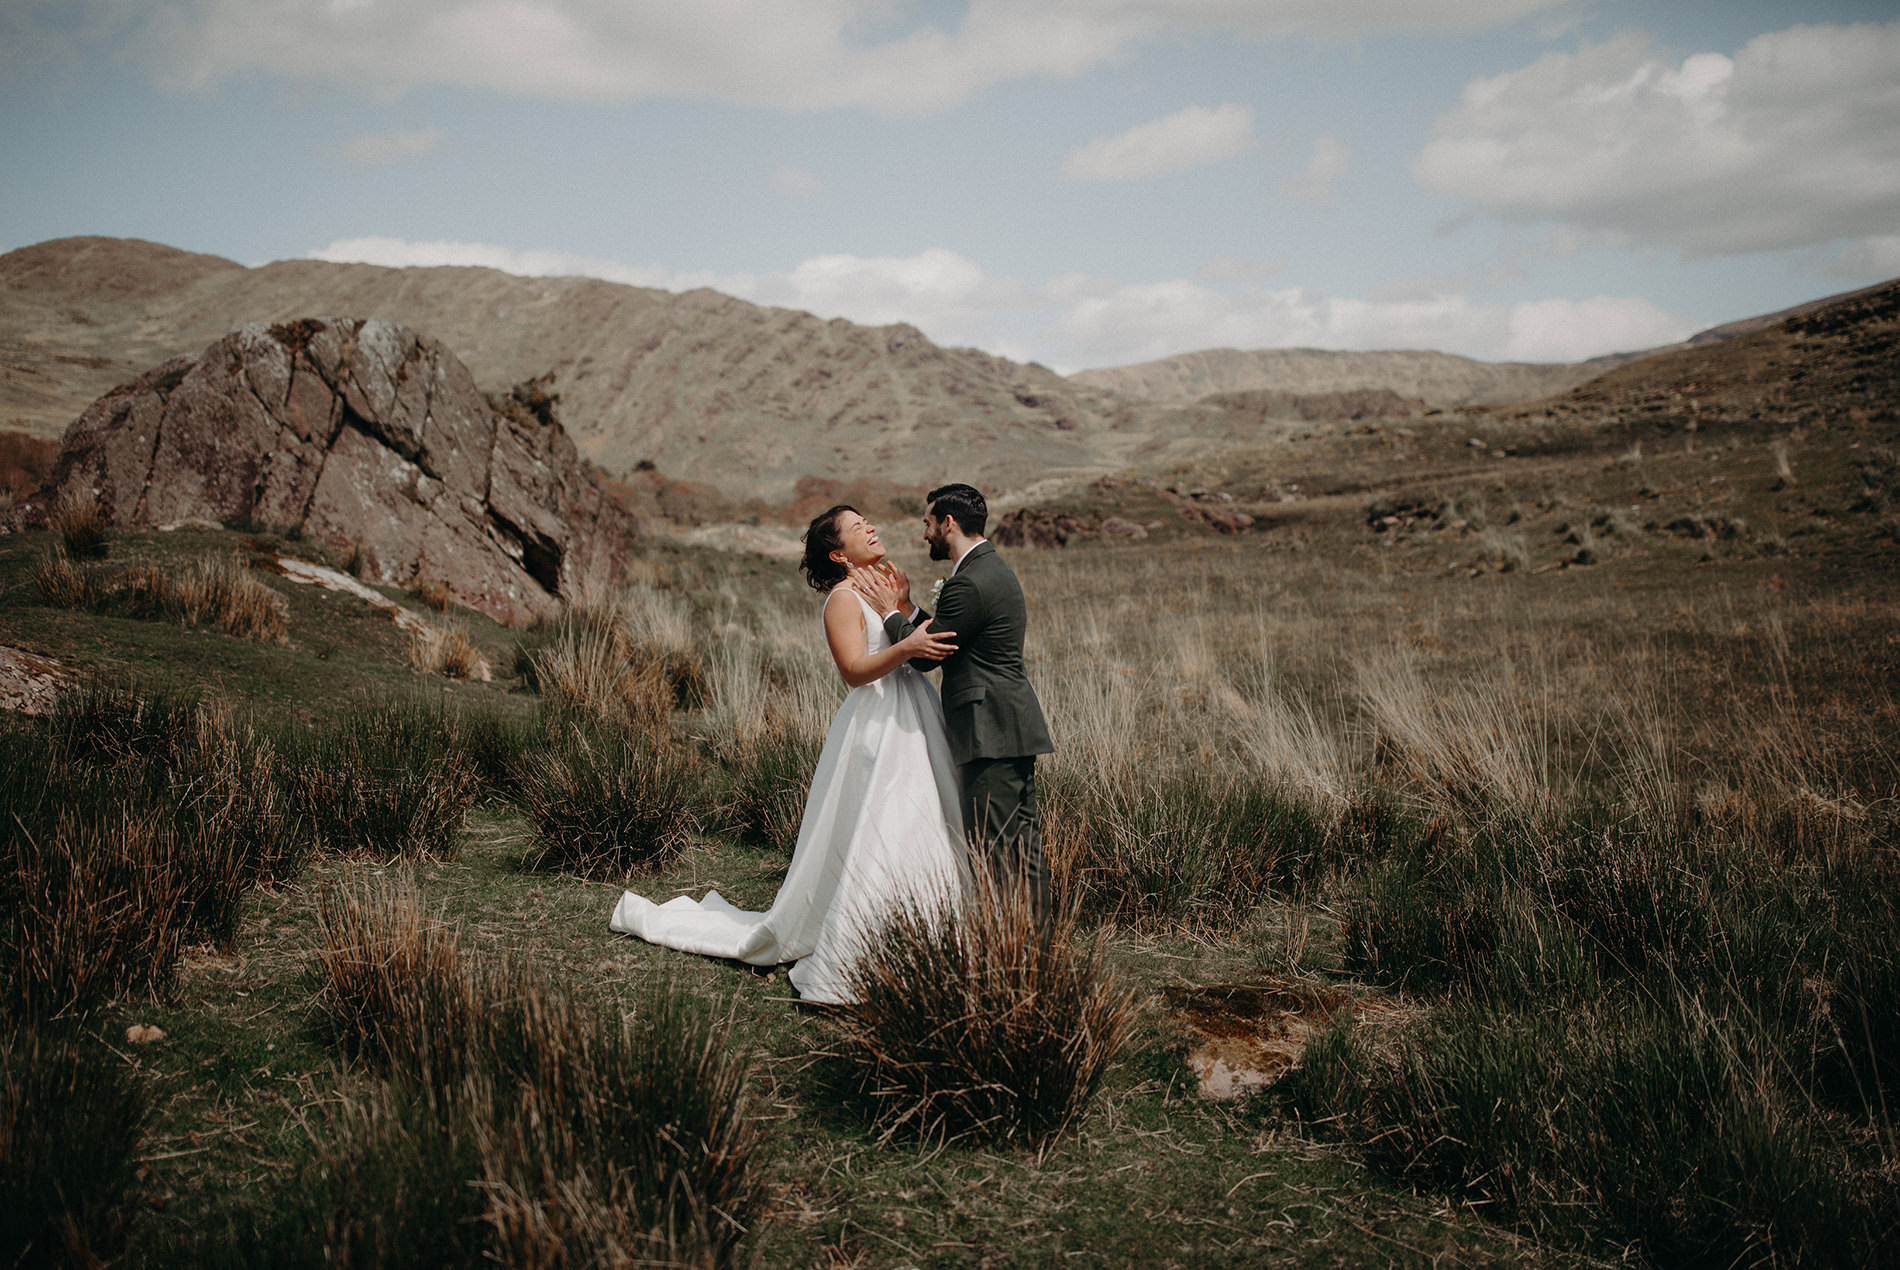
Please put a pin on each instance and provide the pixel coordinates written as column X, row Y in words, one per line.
column 1080, row 183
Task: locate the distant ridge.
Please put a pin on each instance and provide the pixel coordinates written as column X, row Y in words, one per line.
column 1440, row 379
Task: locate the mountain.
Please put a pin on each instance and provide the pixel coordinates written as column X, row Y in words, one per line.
column 744, row 397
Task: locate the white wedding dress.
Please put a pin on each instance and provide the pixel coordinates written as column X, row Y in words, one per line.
column 881, row 828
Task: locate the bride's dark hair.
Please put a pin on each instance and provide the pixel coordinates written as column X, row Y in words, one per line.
column 821, row 539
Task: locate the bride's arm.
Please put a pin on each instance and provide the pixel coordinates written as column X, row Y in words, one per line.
column 844, row 633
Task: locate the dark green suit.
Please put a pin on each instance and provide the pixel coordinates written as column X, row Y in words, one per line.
column 991, row 714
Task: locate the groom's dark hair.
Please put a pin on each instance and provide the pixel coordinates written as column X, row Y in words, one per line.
column 964, row 503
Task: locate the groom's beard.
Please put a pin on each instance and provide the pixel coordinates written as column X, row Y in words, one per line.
column 939, row 549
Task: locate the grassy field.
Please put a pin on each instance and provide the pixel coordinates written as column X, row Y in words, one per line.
column 1554, row 846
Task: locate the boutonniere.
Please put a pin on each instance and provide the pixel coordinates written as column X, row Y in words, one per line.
column 936, row 589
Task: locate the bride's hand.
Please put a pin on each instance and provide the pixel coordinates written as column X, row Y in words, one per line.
column 928, row 644
column 883, row 586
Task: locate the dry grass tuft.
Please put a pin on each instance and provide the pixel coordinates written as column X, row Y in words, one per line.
column 447, row 651
column 435, row 593
column 975, row 1023
column 81, row 523
column 393, row 781
column 66, row 585
column 390, row 976
column 216, row 591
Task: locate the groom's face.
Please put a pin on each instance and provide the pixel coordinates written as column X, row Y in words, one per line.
column 934, row 531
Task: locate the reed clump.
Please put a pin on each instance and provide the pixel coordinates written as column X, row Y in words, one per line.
column 387, row 781
column 66, row 584
column 976, row 1022
column 215, row 591
column 627, row 659
column 135, row 824
column 606, row 803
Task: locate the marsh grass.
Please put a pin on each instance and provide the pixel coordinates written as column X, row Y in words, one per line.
column 626, row 659
column 521, row 1123
column 64, row 584
column 71, row 1119
column 975, row 1022
column 609, row 804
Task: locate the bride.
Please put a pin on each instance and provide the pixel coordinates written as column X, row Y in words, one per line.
column 881, row 822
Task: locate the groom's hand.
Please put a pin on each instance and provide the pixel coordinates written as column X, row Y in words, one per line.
column 928, row 644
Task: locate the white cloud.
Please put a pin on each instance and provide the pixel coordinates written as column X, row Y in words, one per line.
column 1572, row 330
column 813, row 54
column 1188, row 138
column 1794, row 141
column 1143, row 322
column 1076, row 320
column 1317, row 184
column 387, row 147
column 795, row 182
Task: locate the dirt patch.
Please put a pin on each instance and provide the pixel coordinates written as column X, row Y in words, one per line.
column 1245, row 1036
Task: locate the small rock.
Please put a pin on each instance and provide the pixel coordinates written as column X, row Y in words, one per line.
column 144, row 1034
column 1123, row 528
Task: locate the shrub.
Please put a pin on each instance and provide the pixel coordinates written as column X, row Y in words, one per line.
column 606, row 804
column 386, row 781
column 536, row 1130
column 81, row 523
column 974, row 1022
column 70, row 1122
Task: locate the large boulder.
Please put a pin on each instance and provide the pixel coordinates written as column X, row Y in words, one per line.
column 369, row 438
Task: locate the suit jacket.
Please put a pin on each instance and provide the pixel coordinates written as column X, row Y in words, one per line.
column 989, row 709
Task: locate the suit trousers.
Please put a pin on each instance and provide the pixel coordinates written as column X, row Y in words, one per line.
column 1000, row 821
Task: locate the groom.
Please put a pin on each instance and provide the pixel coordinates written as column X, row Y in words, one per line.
column 990, row 712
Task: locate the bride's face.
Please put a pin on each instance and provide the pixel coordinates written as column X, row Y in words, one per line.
column 858, row 541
